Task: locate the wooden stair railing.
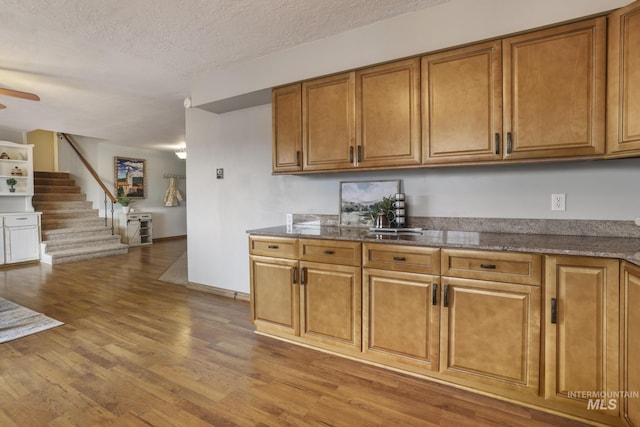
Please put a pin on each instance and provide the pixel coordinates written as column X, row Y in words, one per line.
column 108, row 196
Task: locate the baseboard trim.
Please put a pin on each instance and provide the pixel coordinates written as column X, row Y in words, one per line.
column 163, row 239
column 241, row 296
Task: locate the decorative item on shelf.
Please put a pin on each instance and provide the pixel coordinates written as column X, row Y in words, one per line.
column 124, row 201
column 11, row 182
column 19, row 156
column 5, row 156
column 16, row 171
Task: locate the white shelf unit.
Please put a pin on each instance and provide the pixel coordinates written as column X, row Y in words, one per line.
column 138, row 229
column 16, row 161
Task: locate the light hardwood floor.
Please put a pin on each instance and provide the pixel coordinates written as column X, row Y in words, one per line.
column 135, row 351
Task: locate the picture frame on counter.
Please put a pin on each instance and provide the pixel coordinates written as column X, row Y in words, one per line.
column 358, row 199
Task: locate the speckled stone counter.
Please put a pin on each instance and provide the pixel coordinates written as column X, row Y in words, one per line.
column 627, row 249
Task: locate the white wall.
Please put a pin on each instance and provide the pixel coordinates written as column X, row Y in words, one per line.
column 250, row 197
column 167, row 221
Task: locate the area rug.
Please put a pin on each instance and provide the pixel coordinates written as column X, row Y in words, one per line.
column 177, row 273
column 17, row 321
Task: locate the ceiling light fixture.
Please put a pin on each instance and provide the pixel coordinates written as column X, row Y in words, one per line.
column 181, row 153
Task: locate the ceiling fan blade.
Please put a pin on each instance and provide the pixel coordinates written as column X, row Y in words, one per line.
column 19, row 94
column 2, row 107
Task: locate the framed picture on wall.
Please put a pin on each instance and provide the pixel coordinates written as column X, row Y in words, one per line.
column 358, row 199
column 130, row 180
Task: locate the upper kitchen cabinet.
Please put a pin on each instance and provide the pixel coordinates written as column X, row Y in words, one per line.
column 286, row 128
column 328, row 123
column 388, row 115
column 623, row 95
column 462, row 104
column 554, row 91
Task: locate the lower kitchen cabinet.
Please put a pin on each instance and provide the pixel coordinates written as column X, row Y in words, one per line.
column 630, row 345
column 581, row 332
column 490, row 335
column 401, row 319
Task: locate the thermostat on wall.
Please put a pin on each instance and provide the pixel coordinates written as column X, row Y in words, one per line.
column 219, row 173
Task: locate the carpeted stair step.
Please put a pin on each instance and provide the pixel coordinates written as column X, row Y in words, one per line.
column 75, row 232
column 84, row 253
column 56, row 189
column 56, row 182
column 54, row 175
column 84, row 241
column 80, row 214
column 50, row 224
column 61, row 205
column 57, row 197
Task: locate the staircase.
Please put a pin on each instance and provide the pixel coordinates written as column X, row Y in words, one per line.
column 71, row 228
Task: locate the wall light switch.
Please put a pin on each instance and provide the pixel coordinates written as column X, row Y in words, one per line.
column 220, row 173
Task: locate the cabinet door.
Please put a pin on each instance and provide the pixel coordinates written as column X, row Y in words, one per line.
column 286, row 128
column 22, row 244
column 401, row 319
column 328, row 127
column 554, row 91
column 630, row 334
column 330, row 305
column 388, row 115
column 581, row 332
column 623, row 103
column 490, row 335
column 462, row 104
column 275, row 295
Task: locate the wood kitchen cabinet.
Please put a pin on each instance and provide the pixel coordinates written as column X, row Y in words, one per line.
column 401, row 309
column 286, row 128
column 536, row 95
column 462, row 104
column 581, row 330
column 630, row 341
column 307, row 290
column 388, row 115
column 554, row 91
column 623, row 77
column 328, row 123
column 490, row 330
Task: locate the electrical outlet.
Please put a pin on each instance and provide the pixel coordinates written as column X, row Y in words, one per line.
column 558, row 202
column 289, row 220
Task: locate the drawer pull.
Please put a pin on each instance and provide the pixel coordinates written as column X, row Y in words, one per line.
column 21, row 219
column 399, row 258
column 434, row 294
column 273, row 246
column 488, row 266
column 554, row 311
column 445, row 303
column 329, row 252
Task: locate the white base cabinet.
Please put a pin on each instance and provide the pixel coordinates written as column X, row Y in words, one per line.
column 21, row 237
column 136, row 228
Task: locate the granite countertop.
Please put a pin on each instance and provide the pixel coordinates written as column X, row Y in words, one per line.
column 624, row 248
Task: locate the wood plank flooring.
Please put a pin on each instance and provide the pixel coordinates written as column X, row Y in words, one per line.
column 135, row 351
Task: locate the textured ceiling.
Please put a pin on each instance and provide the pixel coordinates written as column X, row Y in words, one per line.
column 119, row 69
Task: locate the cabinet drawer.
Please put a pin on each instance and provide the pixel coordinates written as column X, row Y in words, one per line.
column 20, row 220
column 277, row 247
column 331, row 251
column 411, row 259
column 519, row 268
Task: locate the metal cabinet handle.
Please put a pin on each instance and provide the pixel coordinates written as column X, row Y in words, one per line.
column 399, row 258
column 329, row 252
column 445, row 303
column 273, row 246
column 488, row 266
column 298, row 158
column 350, row 154
column 497, row 143
column 434, row 294
column 359, row 157
column 294, row 275
column 554, row 311
column 509, row 143
column 303, row 276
